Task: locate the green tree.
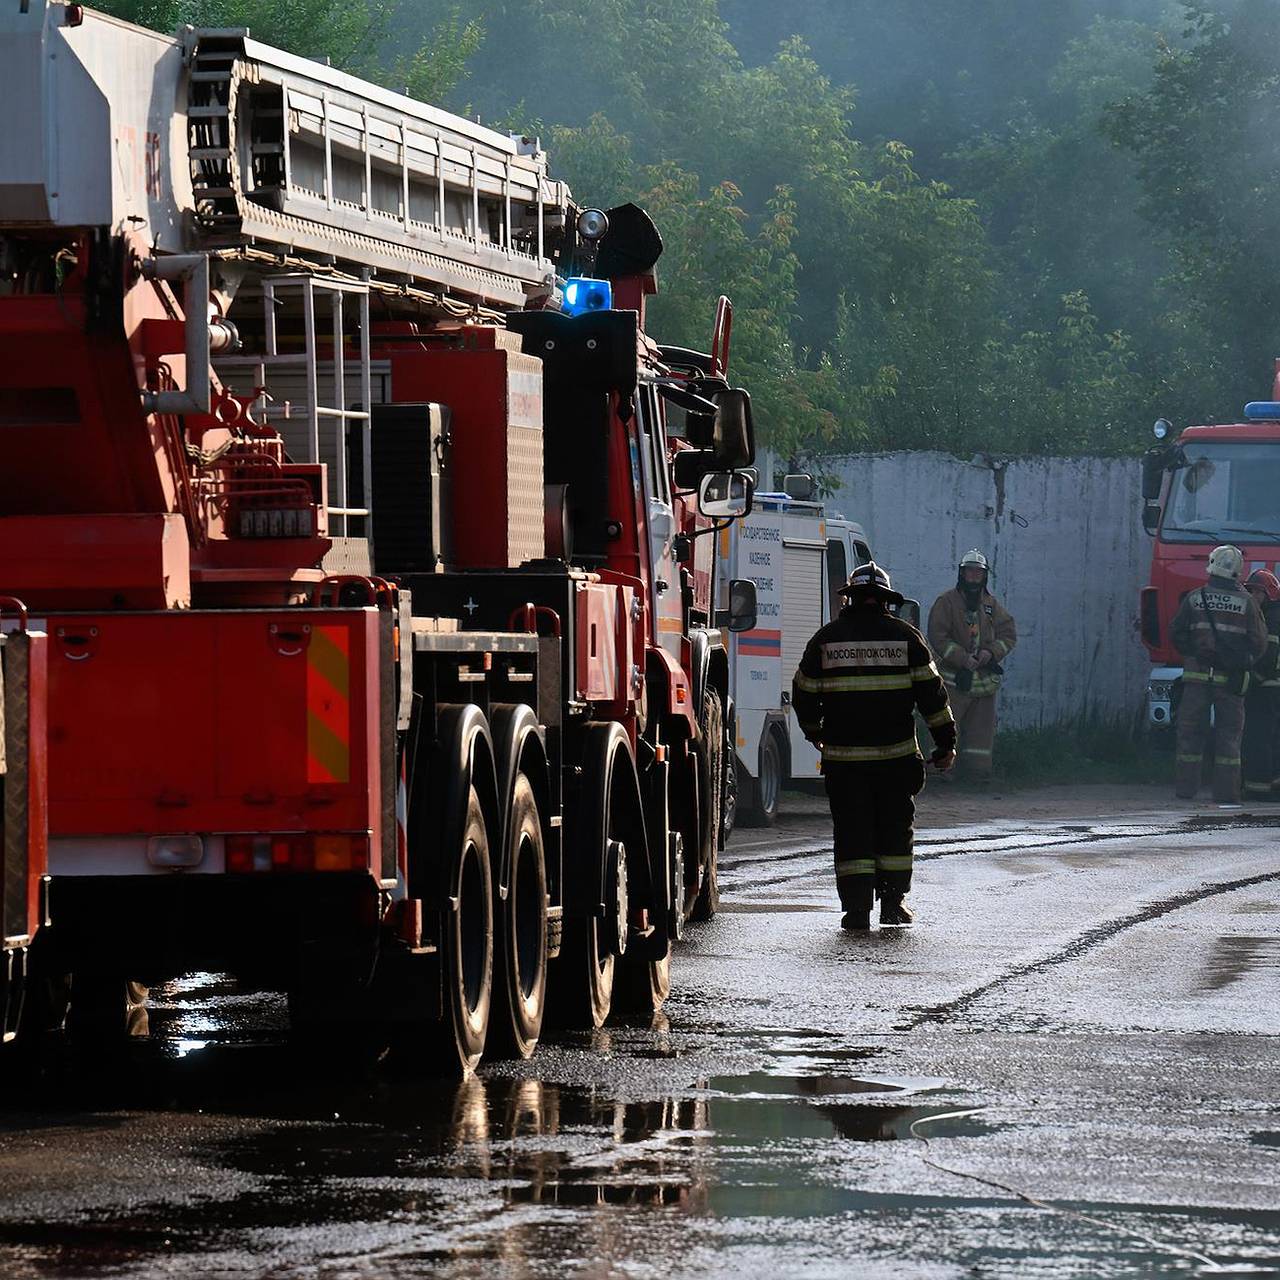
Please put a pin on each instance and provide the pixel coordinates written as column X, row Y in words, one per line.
column 351, row 35
column 1206, row 137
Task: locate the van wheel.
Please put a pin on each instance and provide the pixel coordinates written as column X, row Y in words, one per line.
column 521, row 963
column 768, row 788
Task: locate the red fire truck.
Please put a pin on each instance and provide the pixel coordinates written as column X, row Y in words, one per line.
column 1206, row 486
column 384, row 661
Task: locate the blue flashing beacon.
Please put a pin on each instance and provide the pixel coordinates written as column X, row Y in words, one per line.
column 583, row 294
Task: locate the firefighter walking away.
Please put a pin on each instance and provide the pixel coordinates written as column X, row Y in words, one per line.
column 1220, row 633
column 855, row 694
column 972, row 633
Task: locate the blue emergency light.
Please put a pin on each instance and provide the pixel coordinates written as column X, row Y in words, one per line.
column 1262, row 411
column 583, row 294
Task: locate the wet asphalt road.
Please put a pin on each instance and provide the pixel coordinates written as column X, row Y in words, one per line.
column 1097, row 1000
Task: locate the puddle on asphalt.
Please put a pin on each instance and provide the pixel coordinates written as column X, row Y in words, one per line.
column 1235, row 957
column 365, row 1173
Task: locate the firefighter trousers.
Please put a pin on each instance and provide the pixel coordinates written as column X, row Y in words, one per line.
column 1258, row 747
column 976, row 730
column 1199, row 698
column 872, row 811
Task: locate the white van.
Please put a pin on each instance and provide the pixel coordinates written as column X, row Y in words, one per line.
column 799, row 558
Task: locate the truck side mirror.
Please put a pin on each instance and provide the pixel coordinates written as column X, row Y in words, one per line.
column 734, row 436
column 724, row 495
column 1151, row 517
column 741, row 613
column 1154, row 463
column 689, row 466
column 801, row 487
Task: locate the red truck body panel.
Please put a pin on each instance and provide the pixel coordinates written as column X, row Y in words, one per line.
column 237, row 721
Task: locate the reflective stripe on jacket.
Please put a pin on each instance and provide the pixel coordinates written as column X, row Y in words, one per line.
column 859, row 684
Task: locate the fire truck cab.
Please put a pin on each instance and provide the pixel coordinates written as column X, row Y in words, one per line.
column 1206, row 486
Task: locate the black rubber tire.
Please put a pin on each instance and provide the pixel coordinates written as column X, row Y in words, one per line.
column 768, row 788
column 582, row 982
column 642, row 984
column 520, row 965
column 729, row 802
column 466, row 952
column 707, row 901
column 452, row 1045
column 106, row 1007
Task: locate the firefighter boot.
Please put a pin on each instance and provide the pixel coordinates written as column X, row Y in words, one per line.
column 894, row 912
column 855, row 921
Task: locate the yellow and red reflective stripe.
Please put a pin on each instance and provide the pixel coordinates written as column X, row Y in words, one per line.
column 891, row 751
column 329, row 705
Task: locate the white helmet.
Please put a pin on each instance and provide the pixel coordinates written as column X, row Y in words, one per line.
column 1226, row 562
column 974, row 556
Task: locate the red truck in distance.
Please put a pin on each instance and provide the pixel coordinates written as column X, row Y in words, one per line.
column 1207, row 485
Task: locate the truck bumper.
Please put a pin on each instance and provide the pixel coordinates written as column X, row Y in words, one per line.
column 1163, row 686
column 266, row 927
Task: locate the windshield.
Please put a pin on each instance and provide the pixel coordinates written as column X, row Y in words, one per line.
column 1224, row 492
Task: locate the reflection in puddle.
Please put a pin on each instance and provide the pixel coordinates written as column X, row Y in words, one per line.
column 1235, row 956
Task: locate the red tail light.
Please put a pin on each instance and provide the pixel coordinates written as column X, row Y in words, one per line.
column 298, row 851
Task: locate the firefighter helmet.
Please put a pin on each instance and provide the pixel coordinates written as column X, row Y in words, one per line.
column 1226, row 562
column 973, row 591
column 871, row 579
column 1266, row 582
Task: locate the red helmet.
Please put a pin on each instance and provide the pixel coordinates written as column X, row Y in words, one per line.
column 1266, row 582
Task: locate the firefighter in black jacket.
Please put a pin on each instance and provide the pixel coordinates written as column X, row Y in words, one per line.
column 859, row 683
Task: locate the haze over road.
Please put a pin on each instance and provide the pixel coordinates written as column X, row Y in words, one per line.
column 1097, row 996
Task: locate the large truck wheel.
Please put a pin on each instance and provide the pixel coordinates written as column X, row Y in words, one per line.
column 707, row 901
column 452, row 1044
column 106, row 1006
column 521, row 960
column 584, row 979
column 729, row 804
column 466, row 951
column 607, row 821
column 643, row 983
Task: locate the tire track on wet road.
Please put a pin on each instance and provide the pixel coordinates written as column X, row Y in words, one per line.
column 1082, row 944
column 928, row 850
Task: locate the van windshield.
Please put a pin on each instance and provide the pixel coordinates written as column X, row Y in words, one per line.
column 1224, row 492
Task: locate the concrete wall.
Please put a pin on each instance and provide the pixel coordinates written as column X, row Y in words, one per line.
column 1068, row 555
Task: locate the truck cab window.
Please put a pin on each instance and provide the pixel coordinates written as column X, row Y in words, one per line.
column 837, row 572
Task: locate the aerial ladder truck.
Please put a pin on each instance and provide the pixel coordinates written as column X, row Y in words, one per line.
column 362, row 604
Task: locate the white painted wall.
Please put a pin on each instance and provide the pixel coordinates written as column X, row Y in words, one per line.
column 1068, row 555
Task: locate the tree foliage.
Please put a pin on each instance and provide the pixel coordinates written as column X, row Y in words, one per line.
column 962, row 224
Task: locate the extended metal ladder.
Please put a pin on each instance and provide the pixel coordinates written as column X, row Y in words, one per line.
column 286, row 152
